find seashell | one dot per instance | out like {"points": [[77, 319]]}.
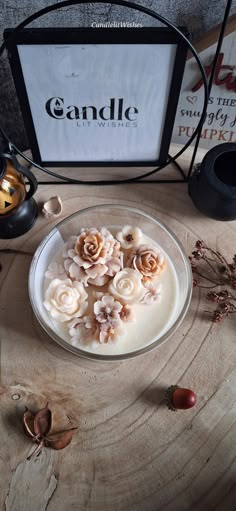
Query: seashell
{"points": [[53, 207]]}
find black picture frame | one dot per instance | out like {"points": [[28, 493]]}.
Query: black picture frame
{"points": [[97, 36]]}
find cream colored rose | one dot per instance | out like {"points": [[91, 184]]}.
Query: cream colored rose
{"points": [[94, 258], [149, 261], [93, 247], [127, 286], [65, 299]]}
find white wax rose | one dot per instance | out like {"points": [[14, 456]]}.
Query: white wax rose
{"points": [[127, 286], [65, 299]]}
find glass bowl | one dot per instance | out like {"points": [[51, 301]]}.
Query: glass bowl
{"points": [[114, 217]]}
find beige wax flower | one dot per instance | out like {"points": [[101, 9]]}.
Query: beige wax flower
{"points": [[107, 310], [70, 243], [96, 274], [110, 333], [56, 271], [153, 292], [84, 331], [127, 286], [76, 272], [127, 313], [94, 258], [87, 331], [93, 247], [65, 299], [149, 261], [129, 237]]}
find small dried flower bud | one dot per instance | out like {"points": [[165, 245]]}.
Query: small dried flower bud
{"points": [[225, 307], [200, 245], [197, 254], [218, 317], [213, 297], [214, 268], [228, 306], [224, 294]]}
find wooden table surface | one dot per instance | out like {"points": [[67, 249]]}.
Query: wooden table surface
{"points": [[131, 453]]}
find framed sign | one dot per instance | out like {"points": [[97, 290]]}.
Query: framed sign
{"points": [[98, 97], [220, 122]]}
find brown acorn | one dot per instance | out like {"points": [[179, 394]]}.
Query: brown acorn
{"points": [[178, 398]]}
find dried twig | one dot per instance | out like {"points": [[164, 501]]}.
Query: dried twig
{"points": [[209, 265]]}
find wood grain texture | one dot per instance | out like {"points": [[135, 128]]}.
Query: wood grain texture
{"points": [[131, 453]]}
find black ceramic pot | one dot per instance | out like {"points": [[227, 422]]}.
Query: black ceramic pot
{"points": [[212, 186], [20, 221]]}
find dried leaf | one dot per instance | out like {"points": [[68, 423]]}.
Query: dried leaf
{"points": [[38, 426], [28, 419], [43, 421], [60, 440]]}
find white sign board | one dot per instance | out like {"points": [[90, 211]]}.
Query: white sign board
{"points": [[220, 124]]}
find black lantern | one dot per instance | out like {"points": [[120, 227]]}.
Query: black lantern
{"points": [[18, 210]]}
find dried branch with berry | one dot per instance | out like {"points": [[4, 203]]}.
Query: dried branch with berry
{"points": [[212, 271]]}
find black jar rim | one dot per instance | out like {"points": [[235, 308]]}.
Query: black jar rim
{"points": [[208, 169]]}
